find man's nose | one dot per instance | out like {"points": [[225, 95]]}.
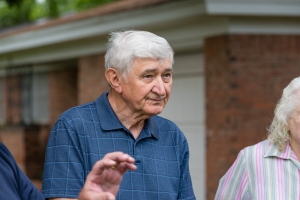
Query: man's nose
{"points": [[159, 87]]}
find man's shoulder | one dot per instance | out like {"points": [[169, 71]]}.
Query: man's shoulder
{"points": [[3, 149], [168, 129], [5, 156], [79, 111], [165, 123]]}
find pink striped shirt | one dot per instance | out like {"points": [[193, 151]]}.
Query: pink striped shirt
{"points": [[262, 172]]}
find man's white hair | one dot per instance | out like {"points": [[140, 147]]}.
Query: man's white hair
{"points": [[123, 47]]}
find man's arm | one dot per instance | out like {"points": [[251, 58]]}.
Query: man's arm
{"points": [[14, 183], [104, 180]]}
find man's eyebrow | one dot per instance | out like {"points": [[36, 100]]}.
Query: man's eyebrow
{"points": [[150, 70], [155, 69], [169, 69]]}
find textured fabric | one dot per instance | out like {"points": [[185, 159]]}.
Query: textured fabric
{"points": [[14, 184], [84, 134], [262, 172]]}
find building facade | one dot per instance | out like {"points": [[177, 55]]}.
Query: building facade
{"points": [[232, 60]]}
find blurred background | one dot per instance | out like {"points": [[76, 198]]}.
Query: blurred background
{"points": [[232, 60]]}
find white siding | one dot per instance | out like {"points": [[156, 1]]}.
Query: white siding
{"points": [[186, 109]]}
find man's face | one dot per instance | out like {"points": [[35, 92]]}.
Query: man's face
{"points": [[146, 89]]}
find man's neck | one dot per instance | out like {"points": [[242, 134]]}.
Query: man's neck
{"points": [[133, 121]]}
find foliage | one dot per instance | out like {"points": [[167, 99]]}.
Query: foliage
{"points": [[87, 4], [13, 2], [14, 12]]}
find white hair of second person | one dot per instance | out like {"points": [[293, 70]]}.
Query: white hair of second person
{"points": [[123, 47], [278, 131]]}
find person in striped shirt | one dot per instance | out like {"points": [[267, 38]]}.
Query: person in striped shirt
{"points": [[270, 170]]}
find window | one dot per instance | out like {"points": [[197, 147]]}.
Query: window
{"points": [[35, 104]]}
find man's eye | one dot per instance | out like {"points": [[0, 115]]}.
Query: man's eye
{"points": [[148, 76], [168, 75]]}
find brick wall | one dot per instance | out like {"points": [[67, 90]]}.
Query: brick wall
{"points": [[91, 78], [12, 102], [245, 76], [35, 146], [62, 92]]}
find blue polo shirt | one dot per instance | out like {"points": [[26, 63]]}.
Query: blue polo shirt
{"points": [[86, 133], [14, 183]]}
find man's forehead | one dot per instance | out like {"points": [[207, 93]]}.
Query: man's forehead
{"points": [[152, 64], [161, 60], [150, 61]]}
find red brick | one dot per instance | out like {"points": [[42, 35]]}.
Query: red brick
{"points": [[62, 92], [91, 78], [245, 76]]}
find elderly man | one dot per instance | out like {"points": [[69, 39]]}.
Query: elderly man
{"points": [[139, 72]]}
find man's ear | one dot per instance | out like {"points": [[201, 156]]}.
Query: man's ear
{"points": [[113, 78]]}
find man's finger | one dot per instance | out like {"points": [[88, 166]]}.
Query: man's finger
{"points": [[113, 160], [119, 157], [96, 196]]}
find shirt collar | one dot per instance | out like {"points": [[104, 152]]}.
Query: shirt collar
{"points": [[107, 117], [109, 120], [153, 127], [273, 151]]}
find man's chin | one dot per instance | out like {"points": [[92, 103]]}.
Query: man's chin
{"points": [[154, 111]]}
